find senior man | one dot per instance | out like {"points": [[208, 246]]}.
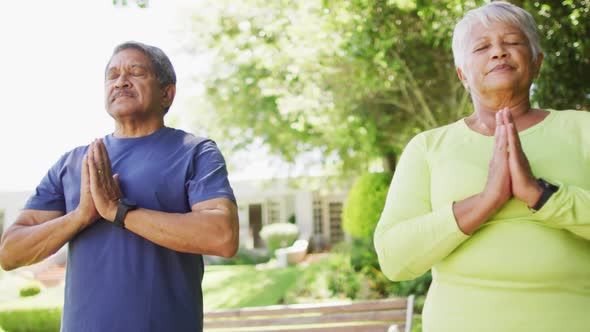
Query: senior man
{"points": [[138, 208]]}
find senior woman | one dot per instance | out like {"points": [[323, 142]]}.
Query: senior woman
{"points": [[497, 203]]}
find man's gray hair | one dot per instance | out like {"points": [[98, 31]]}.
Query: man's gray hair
{"points": [[161, 64], [499, 11]]}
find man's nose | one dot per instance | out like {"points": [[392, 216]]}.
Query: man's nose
{"points": [[122, 81]]}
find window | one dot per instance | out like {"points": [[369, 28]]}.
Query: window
{"points": [[318, 227], [273, 212], [335, 215]]}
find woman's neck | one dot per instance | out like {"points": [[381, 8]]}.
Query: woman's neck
{"points": [[483, 119]]}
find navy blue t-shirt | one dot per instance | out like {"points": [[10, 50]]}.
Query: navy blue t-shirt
{"points": [[117, 280]]}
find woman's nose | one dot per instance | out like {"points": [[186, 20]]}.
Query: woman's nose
{"points": [[499, 51]]}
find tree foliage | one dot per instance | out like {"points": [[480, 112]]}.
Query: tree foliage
{"points": [[356, 79], [139, 3], [564, 82]]}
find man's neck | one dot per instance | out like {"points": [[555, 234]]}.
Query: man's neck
{"points": [[134, 128]]}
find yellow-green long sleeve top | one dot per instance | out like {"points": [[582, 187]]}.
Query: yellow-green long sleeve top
{"points": [[521, 270]]}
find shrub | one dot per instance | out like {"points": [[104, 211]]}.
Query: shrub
{"points": [[343, 280], [363, 260], [279, 235], [364, 204], [29, 291], [362, 254], [34, 320]]}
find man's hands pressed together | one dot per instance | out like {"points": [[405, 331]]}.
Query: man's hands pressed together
{"points": [[104, 185]]}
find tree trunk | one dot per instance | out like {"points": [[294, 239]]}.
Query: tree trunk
{"points": [[389, 162]]}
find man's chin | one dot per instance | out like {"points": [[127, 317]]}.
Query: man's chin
{"points": [[122, 111]]}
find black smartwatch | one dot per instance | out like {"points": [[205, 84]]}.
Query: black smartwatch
{"points": [[548, 190], [124, 205]]}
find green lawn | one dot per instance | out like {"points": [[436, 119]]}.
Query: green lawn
{"points": [[223, 287], [244, 286]]}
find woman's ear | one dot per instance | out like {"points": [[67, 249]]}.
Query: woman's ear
{"points": [[463, 78]]}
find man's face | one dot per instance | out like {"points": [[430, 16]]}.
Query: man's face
{"points": [[131, 86]]}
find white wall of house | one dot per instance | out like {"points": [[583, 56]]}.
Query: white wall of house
{"points": [[304, 213], [280, 198]]}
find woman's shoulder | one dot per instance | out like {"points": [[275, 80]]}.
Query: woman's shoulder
{"points": [[437, 134], [570, 118], [577, 115]]}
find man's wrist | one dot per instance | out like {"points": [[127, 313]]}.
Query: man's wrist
{"points": [[124, 205], [80, 218]]}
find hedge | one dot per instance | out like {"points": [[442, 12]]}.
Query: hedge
{"points": [[364, 204], [31, 320]]}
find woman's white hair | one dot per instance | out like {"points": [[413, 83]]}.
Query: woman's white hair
{"points": [[499, 11]]}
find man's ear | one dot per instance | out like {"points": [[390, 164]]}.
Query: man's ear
{"points": [[168, 93], [463, 78]]}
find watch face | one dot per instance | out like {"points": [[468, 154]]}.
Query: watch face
{"points": [[127, 202]]}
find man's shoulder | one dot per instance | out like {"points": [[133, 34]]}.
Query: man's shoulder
{"points": [[71, 156], [187, 138]]}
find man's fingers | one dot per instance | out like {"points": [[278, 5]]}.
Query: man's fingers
{"points": [[85, 182], [92, 171], [102, 158], [103, 152]]}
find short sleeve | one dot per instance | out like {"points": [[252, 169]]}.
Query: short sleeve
{"points": [[208, 175], [49, 194]]}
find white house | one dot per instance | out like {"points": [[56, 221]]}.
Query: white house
{"points": [[315, 204]]}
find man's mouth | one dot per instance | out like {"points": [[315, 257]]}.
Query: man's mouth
{"points": [[123, 93]]}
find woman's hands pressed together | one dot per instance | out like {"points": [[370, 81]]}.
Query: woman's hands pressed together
{"points": [[510, 173]]}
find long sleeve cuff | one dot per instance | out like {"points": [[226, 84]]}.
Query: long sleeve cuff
{"points": [[409, 248]]}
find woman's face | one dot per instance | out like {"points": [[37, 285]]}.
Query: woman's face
{"points": [[497, 60]]}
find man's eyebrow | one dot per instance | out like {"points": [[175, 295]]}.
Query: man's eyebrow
{"points": [[139, 65], [134, 65]]}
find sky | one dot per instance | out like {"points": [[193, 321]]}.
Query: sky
{"points": [[53, 57]]}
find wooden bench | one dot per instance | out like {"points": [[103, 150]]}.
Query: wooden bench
{"points": [[363, 316]]}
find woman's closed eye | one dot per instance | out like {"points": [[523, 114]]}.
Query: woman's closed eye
{"points": [[480, 48]]}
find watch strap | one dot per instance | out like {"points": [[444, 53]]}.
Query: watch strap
{"points": [[548, 190], [123, 206]]}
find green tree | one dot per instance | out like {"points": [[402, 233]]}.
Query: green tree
{"points": [[356, 79], [564, 81]]}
